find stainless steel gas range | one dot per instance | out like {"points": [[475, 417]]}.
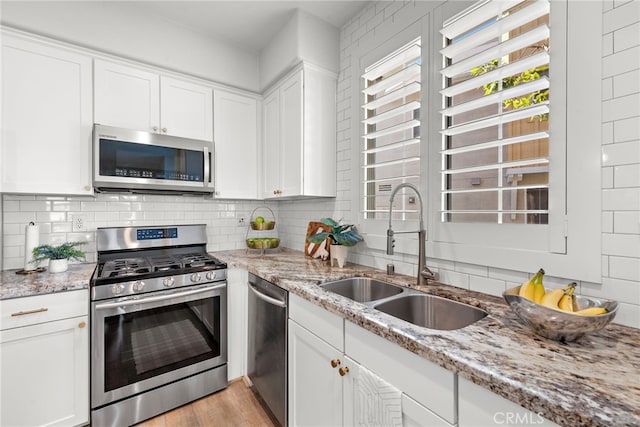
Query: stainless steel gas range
{"points": [[158, 322]]}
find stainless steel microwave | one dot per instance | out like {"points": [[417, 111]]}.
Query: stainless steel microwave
{"points": [[144, 162]]}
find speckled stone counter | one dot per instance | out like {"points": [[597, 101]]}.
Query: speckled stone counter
{"points": [[594, 381], [14, 285]]}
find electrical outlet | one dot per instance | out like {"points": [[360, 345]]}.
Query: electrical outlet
{"points": [[78, 223]]}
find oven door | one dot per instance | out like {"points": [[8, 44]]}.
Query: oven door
{"points": [[142, 342]]}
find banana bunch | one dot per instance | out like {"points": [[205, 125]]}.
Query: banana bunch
{"points": [[558, 299], [533, 289]]}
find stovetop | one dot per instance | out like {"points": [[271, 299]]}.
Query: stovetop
{"points": [[140, 260], [171, 264]]}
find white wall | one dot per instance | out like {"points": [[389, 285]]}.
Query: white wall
{"points": [[620, 149], [114, 28], [304, 38]]}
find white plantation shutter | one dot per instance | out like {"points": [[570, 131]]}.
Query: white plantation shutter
{"points": [[495, 157], [391, 129]]}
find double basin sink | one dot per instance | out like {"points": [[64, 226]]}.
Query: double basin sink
{"points": [[418, 308]]}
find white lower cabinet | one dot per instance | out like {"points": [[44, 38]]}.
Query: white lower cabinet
{"points": [[479, 406], [44, 367], [315, 387], [323, 372]]}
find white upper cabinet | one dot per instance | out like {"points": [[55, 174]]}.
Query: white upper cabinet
{"points": [[134, 98], [236, 155], [186, 109], [46, 118], [126, 97], [300, 136]]}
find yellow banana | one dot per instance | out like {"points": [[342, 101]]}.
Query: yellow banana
{"points": [[591, 311], [530, 289], [566, 301], [552, 298]]}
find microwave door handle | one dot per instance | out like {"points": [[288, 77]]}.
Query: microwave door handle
{"points": [[207, 167]]}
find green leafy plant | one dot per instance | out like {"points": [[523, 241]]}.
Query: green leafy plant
{"points": [[526, 76], [340, 234], [64, 251]]}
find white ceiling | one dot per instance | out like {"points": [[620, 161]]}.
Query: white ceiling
{"points": [[249, 25]]}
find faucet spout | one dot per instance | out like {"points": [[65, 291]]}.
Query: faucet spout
{"points": [[424, 274]]}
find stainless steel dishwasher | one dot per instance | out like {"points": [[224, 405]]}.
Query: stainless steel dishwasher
{"points": [[267, 346]]}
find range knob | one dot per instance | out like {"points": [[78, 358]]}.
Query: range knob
{"points": [[211, 275], [117, 289], [137, 286], [195, 277], [168, 282]]}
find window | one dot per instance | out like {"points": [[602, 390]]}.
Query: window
{"points": [[496, 91], [391, 135]]}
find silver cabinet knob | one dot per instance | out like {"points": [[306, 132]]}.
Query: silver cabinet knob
{"points": [[155, 128], [164, 130]]}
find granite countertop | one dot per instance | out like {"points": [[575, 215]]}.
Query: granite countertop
{"points": [[594, 381], [14, 285]]}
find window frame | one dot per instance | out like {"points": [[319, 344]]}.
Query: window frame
{"points": [[573, 233]]}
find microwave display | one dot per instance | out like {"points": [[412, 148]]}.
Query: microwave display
{"points": [[127, 159]]}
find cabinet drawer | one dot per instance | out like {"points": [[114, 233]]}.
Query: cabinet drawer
{"points": [[326, 325], [17, 312], [430, 385]]}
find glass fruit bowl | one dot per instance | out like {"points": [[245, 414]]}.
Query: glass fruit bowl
{"points": [[560, 325]]}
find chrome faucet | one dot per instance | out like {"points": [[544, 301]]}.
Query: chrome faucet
{"points": [[424, 274]]}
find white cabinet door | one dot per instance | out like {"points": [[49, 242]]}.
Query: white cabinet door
{"points": [[315, 387], [45, 374], [126, 97], [479, 406], [237, 296], [46, 118], [271, 150], [186, 109], [236, 144], [291, 142]]}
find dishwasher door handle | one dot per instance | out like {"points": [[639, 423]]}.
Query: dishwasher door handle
{"points": [[266, 298]]}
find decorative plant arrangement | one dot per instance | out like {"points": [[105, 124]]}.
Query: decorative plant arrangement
{"points": [[341, 236], [58, 256]]}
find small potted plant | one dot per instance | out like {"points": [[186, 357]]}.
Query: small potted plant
{"points": [[342, 236], [58, 256]]}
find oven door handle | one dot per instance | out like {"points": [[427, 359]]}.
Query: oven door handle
{"points": [[156, 299], [266, 298]]}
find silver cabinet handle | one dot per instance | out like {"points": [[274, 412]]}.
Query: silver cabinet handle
{"points": [[267, 298]]}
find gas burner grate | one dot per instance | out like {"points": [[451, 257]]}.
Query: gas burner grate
{"points": [[125, 267], [165, 263], [197, 260]]}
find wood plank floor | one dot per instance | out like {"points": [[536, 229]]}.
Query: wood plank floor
{"points": [[237, 405]]}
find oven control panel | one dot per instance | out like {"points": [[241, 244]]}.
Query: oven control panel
{"points": [[157, 233]]}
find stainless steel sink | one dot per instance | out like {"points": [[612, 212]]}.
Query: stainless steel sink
{"points": [[362, 289], [431, 312]]}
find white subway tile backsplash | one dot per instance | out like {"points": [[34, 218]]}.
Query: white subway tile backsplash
{"points": [[623, 153], [624, 268], [620, 17], [627, 37], [626, 222], [627, 245], [607, 177], [621, 62], [607, 133], [627, 129], [607, 222], [607, 44], [621, 108], [487, 285], [627, 176], [621, 199], [627, 83], [607, 88], [629, 315]]}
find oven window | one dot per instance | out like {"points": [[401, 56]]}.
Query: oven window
{"points": [[147, 343]]}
